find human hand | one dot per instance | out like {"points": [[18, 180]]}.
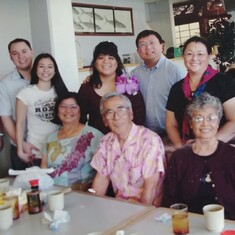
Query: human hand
{"points": [[24, 156], [29, 148]]}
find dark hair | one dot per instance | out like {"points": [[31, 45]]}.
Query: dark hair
{"points": [[146, 33], [56, 81], [198, 39], [104, 48], [59, 100], [19, 40]]}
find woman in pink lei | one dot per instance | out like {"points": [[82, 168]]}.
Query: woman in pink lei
{"points": [[108, 75], [201, 77]]}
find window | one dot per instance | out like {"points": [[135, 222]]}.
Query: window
{"points": [[185, 31], [193, 17]]}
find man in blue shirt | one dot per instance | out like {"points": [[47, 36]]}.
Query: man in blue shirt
{"points": [[156, 75]]}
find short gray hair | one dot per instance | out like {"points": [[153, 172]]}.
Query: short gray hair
{"points": [[111, 95], [205, 100]]}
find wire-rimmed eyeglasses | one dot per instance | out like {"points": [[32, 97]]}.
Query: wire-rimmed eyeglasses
{"points": [[110, 113]]}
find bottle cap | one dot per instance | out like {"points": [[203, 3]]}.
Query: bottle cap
{"points": [[34, 182]]}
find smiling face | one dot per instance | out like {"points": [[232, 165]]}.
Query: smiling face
{"points": [[205, 123], [69, 111], [21, 55], [117, 117], [45, 69], [150, 49], [196, 57], [106, 65]]}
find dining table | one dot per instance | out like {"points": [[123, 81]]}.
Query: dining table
{"points": [[93, 215]]}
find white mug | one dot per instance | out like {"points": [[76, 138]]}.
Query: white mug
{"points": [[6, 216], [214, 217], [55, 200]]}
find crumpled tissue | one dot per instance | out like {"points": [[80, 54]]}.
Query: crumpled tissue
{"points": [[163, 217], [58, 217]]}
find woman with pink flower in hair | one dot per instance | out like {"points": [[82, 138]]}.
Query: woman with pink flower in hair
{"points": [[108, 75]]}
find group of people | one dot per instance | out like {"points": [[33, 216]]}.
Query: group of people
{"points": [[115, 130]]}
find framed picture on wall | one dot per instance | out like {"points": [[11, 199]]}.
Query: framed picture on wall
{"points": [[102, 20]]}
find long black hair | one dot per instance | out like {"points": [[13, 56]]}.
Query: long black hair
{"points": [[104, 48], [57, 81]]}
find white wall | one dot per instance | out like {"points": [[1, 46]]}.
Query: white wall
{"points": [[126, 44], [39, 26], [14, 23], [63, 41], [48, 25], [160, 19]]}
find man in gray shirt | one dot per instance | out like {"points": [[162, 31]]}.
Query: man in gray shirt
{"points": [[21, 55]]}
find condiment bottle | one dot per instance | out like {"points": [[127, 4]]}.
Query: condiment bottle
{"points": [[33, 198]]}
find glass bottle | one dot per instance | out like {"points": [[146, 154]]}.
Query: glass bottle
{"points": [[33, 198]]}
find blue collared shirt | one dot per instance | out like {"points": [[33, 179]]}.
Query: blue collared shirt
{"points": [[155, 85]]}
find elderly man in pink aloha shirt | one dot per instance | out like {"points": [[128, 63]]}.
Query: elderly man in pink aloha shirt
{"points": [[131, 156]]}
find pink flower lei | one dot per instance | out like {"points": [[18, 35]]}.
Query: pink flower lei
{"points": [[127, 84]]}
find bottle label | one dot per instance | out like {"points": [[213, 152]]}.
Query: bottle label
{"points": [[34, 202]]}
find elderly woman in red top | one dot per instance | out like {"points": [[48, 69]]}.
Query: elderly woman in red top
{"points": [[203, 172]]}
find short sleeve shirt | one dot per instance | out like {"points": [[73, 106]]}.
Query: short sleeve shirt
{"points": [[141, 156]]}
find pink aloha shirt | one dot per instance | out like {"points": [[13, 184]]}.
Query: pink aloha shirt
{"points": [[141, 157]]}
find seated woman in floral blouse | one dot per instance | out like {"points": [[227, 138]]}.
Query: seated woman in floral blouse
{"points": [[69, 150]]}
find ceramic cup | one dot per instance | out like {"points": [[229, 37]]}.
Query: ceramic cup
{"points": [[55, 200], [214, 217], [180, 223], [4, 184], [14, 202], [6, 216]]}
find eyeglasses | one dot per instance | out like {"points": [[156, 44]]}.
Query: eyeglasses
{"points": [[144, 45], [200, 119], [110, 113], [198, 55], [72, 107]]}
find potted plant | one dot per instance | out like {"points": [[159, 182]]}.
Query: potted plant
{"points": [[221, 34]]}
